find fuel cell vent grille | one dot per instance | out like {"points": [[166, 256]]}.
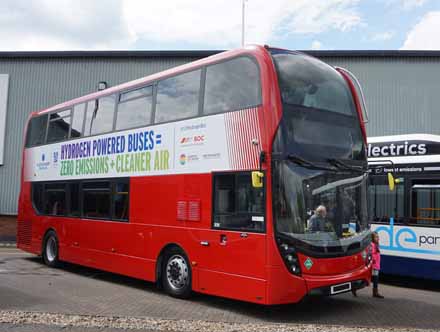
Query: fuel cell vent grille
{"points": [[24, 233]]}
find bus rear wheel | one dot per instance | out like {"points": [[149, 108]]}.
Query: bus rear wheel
{"points": [[176, 274], [50, 249]]}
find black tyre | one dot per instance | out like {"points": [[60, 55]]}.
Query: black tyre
{"points": [[176, 274], [50, 249]]}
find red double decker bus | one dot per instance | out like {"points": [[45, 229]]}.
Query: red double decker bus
{"points": [[240, 175]]}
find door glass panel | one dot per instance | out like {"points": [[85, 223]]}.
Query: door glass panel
{"points": [[237, 204]]}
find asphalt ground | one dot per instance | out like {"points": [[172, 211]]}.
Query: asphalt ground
{"points": [[26, 284]]}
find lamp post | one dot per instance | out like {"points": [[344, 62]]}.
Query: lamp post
{"points": [[242, 21]]}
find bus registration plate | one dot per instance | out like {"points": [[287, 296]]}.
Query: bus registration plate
{"points": [[341, 288]]}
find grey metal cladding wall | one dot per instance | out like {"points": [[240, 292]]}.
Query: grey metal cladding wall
{"points": [[402, 93], [36, 83]]}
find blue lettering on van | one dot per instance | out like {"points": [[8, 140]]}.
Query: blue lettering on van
{"points": [[406, 235]]}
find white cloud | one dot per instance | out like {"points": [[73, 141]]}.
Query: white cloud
{"points": [[406, 4], [85, 24], [411, 4], [383, 36], [61, 25], [316, 45], [218, 22], [424, 35]]}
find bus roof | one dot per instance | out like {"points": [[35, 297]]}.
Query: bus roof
{"points": [[256, 50]]}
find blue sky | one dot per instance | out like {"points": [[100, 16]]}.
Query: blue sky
{"points": [[216, 24]]}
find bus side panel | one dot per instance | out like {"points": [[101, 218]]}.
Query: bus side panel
{"points": [[27, 226], [235, 270], [412, 267], [283, 287], [155, 200], [153, 212], [232, 286]]}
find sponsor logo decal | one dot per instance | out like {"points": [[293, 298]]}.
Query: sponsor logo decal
{"points": [[192, 140], [182, 159], [197, 126], [209, 156], [193, 157], [43, 164]]}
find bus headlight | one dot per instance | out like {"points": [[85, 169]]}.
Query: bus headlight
{"points": [[288, 252], [366, 255]]}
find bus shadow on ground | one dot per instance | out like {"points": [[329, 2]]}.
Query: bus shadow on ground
{"points": [[92, 273], [344, 309]]}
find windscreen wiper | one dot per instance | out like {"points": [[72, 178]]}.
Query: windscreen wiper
{"points": [[306, 163], [342, 165]]}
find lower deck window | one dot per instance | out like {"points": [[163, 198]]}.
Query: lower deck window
{"points": [[96, 204], [426, 202], [120, 201], [37, 197], [55, 198], [74, 195], [414, 201], [103, 199]]}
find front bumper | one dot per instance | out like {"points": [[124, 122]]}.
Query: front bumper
{"points": [[332, 285], [339, 288]]}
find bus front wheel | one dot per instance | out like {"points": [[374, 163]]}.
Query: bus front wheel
{"points": [[50, 249], [176, 274]]}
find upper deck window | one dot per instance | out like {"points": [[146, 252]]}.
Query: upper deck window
{"points": [[59, 126], [134, 108], [320, 121], [100, 114], [178, 97], [309, 82], [232, 85], [36, 131], [78, 120]]}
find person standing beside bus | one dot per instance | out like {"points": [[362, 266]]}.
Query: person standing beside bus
{"points": [[375, 253]]}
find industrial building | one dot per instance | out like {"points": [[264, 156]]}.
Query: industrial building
{"points": [[401, 90]]}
